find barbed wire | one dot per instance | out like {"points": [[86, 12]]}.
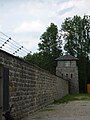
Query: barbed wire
{"points": [[14, 47], [13, 40]]}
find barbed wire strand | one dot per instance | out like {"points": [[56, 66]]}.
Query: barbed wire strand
{"points": [[14, 41], [16, 47], [9, 41], [11, 50], [14, 51]]}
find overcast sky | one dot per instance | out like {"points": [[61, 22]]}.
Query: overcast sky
{"points": [[26, 20]]}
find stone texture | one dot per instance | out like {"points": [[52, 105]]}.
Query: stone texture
{"points": [[71, 73], [30, 87]]}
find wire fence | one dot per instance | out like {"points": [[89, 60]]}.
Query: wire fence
{"points": [[11, 46]]}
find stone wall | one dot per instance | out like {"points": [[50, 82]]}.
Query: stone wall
{"points": [[71, 72], [30, 87]]}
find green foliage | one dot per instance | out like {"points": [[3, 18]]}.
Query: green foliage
{"points": [[44, 61], [83, 70], [49, 41], [75, 32], [77, 42], [76, 35], [49, 50], [73, 97]]}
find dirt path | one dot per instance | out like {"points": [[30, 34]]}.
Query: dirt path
{"points": [[75, 110]]}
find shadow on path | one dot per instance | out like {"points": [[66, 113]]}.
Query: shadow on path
{"points": [[74, 110]]}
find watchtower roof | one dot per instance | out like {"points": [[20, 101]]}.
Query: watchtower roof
{"points": [[66, 58]]}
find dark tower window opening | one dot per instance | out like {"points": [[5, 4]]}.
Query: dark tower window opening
{"points": [[67, 75], [71, 75]]}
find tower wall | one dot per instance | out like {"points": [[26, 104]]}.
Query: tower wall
{"points": [[71, 72]]}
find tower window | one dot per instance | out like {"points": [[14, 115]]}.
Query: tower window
{"points": [[71, 75], [67, 75], [67, 63]]}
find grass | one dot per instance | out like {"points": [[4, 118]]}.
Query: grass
{"points": [[73, 97]]}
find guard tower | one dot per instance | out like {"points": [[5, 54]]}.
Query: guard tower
{"points": [[66, 66]]}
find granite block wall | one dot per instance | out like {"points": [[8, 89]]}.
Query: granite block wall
{"points": [[30, 87]]}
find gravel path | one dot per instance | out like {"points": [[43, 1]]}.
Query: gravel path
{"points": [[75, 110]]}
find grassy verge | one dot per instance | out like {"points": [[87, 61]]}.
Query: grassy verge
{"points": [[73, 97]]}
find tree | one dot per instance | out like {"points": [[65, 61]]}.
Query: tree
{"points": [[49, 49], [50, 42], [77, 42], [77, 35]]}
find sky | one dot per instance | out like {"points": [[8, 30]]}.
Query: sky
{"points": [[26, 20]]}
